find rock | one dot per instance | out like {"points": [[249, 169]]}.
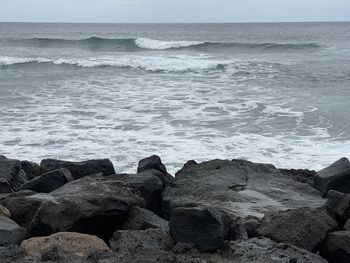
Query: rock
{"points": [[63, 245], [237, 187], [142, 219], [300, 175], [151, 245], [78, 169], [10, 232], [205, 228], [31, 169], [264, 250], [338, 206], [5, 186], [237, 230], [251, 225], [334, 177], [95, 205], [4, 212], [12, 254], [347, 225], [11, 171], [303, 227], [49, 181], [336, 248], [149, 184]]}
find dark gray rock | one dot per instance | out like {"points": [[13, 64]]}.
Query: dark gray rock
{"points": [[10, 232], [334, 177], [300, 175], [336, 248], [152, 245], [347, 225], [31, 169], [142, 219], [251, 225], [205, 228], [237, 230], [11, 172], [5, 186], [338, 206], [49, 181], [237, 187], [264, 250], [95, 205], [303, 227], [149, 184], [78, 169]]}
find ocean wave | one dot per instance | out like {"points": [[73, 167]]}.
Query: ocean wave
{"points": [[130, 44], [149, 63]]}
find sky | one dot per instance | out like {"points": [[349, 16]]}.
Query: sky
{"points": [[173, 11]]}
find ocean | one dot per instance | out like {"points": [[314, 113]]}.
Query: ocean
{"points": [[267, 92]]}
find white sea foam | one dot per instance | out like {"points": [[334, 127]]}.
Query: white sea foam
{"points": [[160, 45]]}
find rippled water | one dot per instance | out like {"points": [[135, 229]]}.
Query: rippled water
{"points": [[276, 93]]}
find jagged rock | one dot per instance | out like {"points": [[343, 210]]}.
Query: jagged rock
{"points": [[251, 225], [11, 171], [303, 227], [10, 232], [151, 245], [5, 186], [68, 244], [49, 181], [237, 231], [12, 254], [300, 175], [149, 184], [334, 177], [264, 250], [338, 206], [237, 187], [95, 205], [205, 228], [142, 219], [4, 211], [336, 248], [78, 169], [31, 169], [154, 162]]}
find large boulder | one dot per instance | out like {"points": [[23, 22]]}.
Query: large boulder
{"points": [[149, 184], [11, 172], [237, 187], [304, 227], [95, 205], [31, 169], [142, 219], [71, 245], [78, 169], [334, 177], [49, 181], [338, 206], [146, 246], [336, 248], [205, 228], [10, 232], [5, 187], [264, 250]]}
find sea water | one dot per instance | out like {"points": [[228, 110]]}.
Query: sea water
{"points": [[270, 92]]}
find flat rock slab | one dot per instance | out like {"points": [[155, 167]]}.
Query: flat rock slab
{"points": [[237, 187]]}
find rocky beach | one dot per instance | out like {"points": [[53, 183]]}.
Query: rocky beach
{"points": [[215, 211]]}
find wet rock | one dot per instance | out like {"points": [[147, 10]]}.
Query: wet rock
{"points": [[151, 245], [10, 232], [95, 205], [63, 245], [78, 169], [264, 250], [149, 184], [31, 169], [205, 228], [336, 248], [303, 227], [338, 206], [334, 177], [11, 172], [300, 175], [237, 187], [155, 163], [142, 219], [4, 211]]}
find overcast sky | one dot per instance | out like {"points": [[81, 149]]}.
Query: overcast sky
{"points": [[134, 11]]}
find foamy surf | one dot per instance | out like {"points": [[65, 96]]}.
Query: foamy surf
{"points": [[158, 44]]}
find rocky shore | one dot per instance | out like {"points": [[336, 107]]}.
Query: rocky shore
{"points": [[216, 211]]}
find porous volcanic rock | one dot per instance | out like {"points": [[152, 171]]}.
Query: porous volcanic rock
{"points": [[334, 177], [303, 227], [79, 169]]}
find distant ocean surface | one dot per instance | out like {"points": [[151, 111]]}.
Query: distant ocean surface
{"points": [[276, 93]]}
